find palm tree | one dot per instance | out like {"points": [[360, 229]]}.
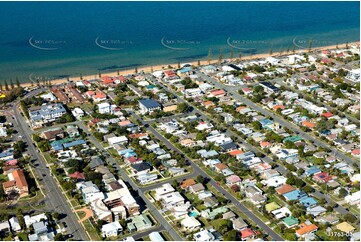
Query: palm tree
{"points": [[220, 58], [12, 84], [6, 86], [17, 82], [231, 56], [210, 55], [310, 45]]}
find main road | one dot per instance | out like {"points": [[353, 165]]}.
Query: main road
{"points": [[56, 200]]}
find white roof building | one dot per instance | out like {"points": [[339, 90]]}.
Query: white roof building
{"points": [[190, 223], [117, 140], [155, 236], [111, 229], [29, 220]]}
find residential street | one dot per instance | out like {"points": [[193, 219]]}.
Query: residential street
{"points": [[281, 121], [56, 200]]}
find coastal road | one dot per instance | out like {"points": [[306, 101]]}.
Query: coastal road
{"points": [[127, 179], [56, 200], [278, 119]]}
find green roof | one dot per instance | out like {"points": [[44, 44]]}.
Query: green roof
{"points": [[292, 139], [215, 212], [272, 206], [141, 222], [290, 221]]}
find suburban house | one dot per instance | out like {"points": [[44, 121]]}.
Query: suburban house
{"points": [[111, 229], [46, 113], [148, 105], [17, 183]]}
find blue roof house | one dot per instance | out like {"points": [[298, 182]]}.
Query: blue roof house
{"points": [[308, 201]]}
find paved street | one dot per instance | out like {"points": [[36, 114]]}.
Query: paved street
{"points": [[280, 120], [127, 179], [225, 193], [280, 82], [56, 201]]}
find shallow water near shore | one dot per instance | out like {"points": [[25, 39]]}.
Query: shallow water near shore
{"points": [[59, 39]]}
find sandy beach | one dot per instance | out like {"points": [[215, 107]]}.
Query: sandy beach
{"points": [[195, 63]]}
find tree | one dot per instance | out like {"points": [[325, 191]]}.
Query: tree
{"points": [[183, 108], [258, 89], [200, 179], [223, 226], [220, 58], [231, 55], [290, 236], [56, 215], [350, 218], [231, 235], [6, 86], [257, 125], [59, 237], [17, 82], [235, 188], [308, 189], [210, 55], [342, 193], [2, 193]]}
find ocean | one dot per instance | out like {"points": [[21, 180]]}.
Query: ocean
{"points": [[60, 39]]}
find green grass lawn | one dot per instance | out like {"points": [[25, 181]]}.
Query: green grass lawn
{"points": [[91, 230], [23, 237]]}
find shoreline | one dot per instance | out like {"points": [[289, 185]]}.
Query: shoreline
{"points": [[195, 63]]}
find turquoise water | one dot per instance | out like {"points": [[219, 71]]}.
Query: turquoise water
{"points": [[88, 37], [193, 214]]}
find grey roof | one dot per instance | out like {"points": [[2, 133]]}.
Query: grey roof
{"points": [[95, 161], [39, 113], [149, 103]]}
